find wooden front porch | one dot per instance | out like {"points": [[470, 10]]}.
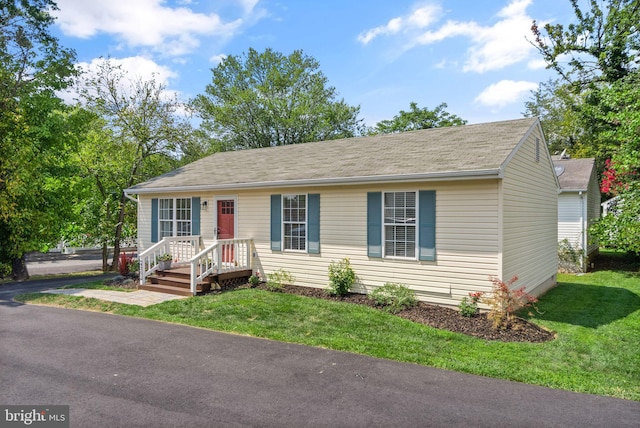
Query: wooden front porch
{"points": [[195, 269], [178, 281]]}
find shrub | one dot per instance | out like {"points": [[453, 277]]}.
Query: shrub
{"points": [[123, 263], [341, 277], [278, 279], [570, 258], [134, 266], [394, 297], [254, 279], [504, 302], [469, 305]]}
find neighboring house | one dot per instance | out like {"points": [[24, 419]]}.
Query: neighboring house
{"points": [[578, 203], [438, 210]]}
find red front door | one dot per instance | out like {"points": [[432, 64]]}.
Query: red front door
{"points": [[226, 226]]}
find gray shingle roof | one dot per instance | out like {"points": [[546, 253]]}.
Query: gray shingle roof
{"points": [[573, 174], [437, 152]]}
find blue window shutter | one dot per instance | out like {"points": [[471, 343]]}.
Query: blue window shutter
{"points": [[154, 220], [374, 224], [313, 224], [195, 215], [427, 225], [276, 222]]}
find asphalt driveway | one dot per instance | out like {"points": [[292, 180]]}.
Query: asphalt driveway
{"points": [[122, 372]]}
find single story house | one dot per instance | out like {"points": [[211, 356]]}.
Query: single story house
{"points": [[578, 204], [439, 210]]}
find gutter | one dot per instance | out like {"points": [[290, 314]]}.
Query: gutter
{"points": [[131, 198], [343, 181]]}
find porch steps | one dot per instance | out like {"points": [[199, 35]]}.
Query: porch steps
{"points": [[178, 281]]}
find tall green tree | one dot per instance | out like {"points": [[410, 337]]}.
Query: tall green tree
{"points": [[269, 99], [601, 77], [33, 156], [133, 135], [418, 118]]}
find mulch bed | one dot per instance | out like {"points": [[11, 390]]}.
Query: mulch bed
{"points": [[441, 317]]}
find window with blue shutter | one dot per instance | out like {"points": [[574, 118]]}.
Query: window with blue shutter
{"points": [[154, 220], [427, 225], [313, 224], [195, 215]]}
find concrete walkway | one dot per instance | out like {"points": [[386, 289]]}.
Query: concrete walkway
{"points": [[138, 297]]}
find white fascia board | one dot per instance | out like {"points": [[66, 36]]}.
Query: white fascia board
{"points": [[341, 181]]}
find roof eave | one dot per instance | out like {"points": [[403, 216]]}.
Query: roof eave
{"points": [[340, 181]]}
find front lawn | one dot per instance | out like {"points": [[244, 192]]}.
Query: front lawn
{"points": [[596, 317]]}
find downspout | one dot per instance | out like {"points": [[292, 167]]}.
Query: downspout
{"points": [[131, 198], [583, 233]]}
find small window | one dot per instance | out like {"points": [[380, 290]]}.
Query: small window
{"points": [[294, 221], [400, 224], [174, 217]]}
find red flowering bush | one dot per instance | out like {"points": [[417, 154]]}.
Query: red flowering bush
{"points": [[504, 302]]}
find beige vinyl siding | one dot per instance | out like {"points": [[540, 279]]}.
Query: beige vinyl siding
{"points": [[466, 239], [529, 217], [593, 208]]}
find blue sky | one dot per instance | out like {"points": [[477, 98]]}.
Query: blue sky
{"points": [[380, 55]]}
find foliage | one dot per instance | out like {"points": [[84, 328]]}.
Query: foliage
{"points": [[570, 257], [504, 301], [134, 265], [33, 152], [254, 279], [394, 297], [341, 277], [124, 263], [166, 257], [269, 99], [130, 134], [417, 118], [278, 279], [601, 46], [469, 305]]}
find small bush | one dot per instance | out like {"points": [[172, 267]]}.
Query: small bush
{"points": [[570, 257], [394, 297], [254, 279], [134, 266], [504, 302], [469, 305], [278, 279], [123, 263], [341, 277]]}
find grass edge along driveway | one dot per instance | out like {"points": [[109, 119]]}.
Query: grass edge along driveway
{"points": [[596, 317]]}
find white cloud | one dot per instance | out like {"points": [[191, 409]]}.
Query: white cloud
{"points": [[217, 59], [536, 64], [147, 23], [136, 67], [505, 92], [491, 47], [419, 18]]}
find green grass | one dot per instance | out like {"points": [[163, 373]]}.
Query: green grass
{"points": [[596, 317], [99, 285]]}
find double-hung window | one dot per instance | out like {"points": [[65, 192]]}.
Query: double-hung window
{"points": [[400, 224], [174, 217], [294, 220]]}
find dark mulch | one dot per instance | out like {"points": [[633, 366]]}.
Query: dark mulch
{"points": [[441, 317]]}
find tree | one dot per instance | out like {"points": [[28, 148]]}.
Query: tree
{"points": [[601, 46], [602, 78], [133, 135], [269, 99], [418, 118], [33, 156]]}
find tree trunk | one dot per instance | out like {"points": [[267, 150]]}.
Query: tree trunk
{"points": [[116, 243], [105, 257], [19, 269]]}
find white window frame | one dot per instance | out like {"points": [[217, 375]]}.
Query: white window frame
{"points": [[386, 224], [177, 222], [305, 223]]}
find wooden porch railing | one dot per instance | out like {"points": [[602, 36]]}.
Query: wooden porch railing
{"points": [[222, 256], [181, 248]]}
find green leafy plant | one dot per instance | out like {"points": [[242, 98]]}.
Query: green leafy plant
{"points": [[394, 297], [134, 265], [341, 277], [254, 279], [469, 305], [504, 302], [570, 258], [278, 279], [164, 257]]}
